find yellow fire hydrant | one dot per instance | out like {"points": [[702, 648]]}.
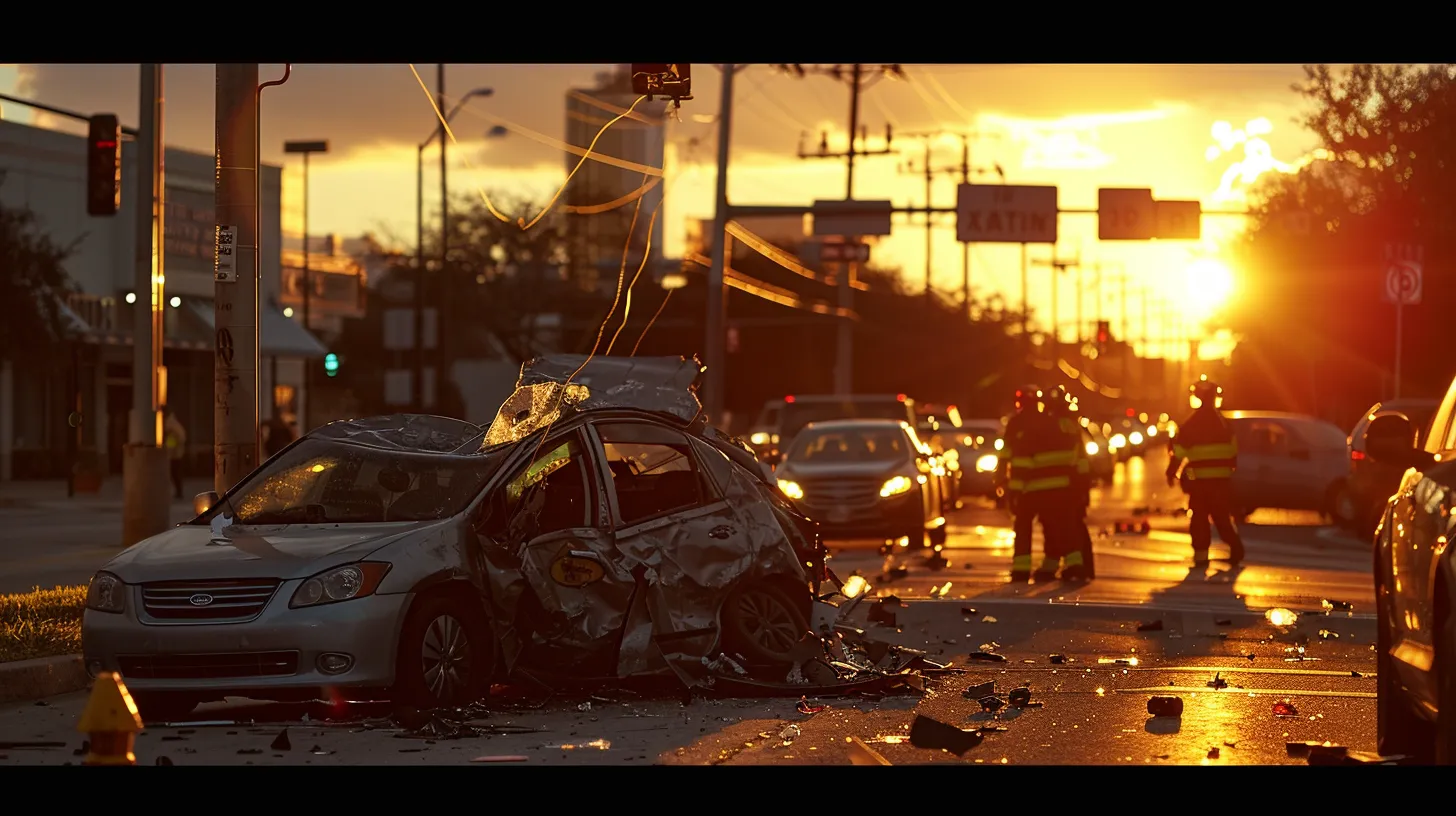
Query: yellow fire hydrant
{"points": [[111, 722]]}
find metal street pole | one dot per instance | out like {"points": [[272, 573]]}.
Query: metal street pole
{"points": [[442, 364], [717, 301], [146, 509], [307, 149], [966, 247], [929, 221], [235, 415], [844, 345], [1399, 337]]}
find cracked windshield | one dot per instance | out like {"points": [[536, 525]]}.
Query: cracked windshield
{"points": [[726, 414]]}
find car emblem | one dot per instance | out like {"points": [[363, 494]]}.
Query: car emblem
{"points": [[200, 599]]}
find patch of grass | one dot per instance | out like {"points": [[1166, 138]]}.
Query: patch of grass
{"points": [[41, 623]]}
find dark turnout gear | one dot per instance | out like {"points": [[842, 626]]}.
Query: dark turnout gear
{"points": [[1207, 452], [1042, 476]]}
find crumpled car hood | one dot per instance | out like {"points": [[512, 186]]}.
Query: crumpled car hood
{"points": [[192, 552]]}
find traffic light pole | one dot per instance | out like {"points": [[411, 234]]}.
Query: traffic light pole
{"points": [[145, 508], [235, 384]]}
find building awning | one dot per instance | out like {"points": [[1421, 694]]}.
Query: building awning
{"points": [[278, 336], [180, 334]]}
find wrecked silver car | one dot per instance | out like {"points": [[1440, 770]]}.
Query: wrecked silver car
{"points": [[598, 528]]}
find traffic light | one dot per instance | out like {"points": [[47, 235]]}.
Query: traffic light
{"points": [[331, 364], [1104, 335], [103, 165]]}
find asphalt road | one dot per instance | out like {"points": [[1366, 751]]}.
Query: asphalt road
{"points": [[1147, 626]]}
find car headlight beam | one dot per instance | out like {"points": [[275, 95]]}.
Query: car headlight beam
{"points": [[340, 584], [987, 463], [106, 593], [791, 489], [1092, 448], [895, 486]]}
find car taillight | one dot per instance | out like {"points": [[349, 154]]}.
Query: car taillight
{"points": [[1356, 456]]}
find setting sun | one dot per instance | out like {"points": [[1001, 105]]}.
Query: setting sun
{"points": [[1210, 283]]}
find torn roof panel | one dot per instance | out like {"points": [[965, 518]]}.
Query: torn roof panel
{"points": [[555, 385], [420, 433]]}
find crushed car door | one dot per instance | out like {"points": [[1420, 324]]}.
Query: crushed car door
{"points": [[578, 591], [671, 519]]}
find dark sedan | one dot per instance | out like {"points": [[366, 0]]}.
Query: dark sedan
{"points": [[1371, 481]]}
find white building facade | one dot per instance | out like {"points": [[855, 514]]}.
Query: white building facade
{"points": [[45, 171]]}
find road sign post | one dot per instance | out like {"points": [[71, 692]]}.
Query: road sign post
{"points": [[1404, 279]]}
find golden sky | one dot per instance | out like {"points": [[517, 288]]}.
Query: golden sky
{"points": [[1187, 131]]}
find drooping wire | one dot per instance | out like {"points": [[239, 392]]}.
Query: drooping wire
{"points": [[572, 174], [646, 253], [445, 125], [655, 315]]}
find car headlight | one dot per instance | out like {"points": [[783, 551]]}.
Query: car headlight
{"points": [[791, 489], [339, 584], [1116, 442], [759, 438], [987, 463], [1092, 449], [1135, 438], [999, 444], [895, 486], [106, 594]]}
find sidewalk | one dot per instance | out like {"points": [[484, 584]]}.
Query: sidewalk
{"points": [[50, 494]]}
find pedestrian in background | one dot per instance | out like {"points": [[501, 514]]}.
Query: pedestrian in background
{"points": [[175, 441]]}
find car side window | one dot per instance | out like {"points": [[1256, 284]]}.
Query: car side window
{"points": [[1446, 440], [1265, 439], [551, 494], [653, 470]]}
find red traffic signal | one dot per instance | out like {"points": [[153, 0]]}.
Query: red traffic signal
{"points": [[673, 80], [1104, 333], [103, 165]]}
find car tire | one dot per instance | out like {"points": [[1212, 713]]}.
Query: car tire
{"points": [[157, 707], [764, 625], [447, 654], [937, 536], [1398, 730]]}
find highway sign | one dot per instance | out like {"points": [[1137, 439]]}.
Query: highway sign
{"points": [[1006, 214], [852, 218], [1404, 274], [1178, 220], [844, 253], [1126, 214]]}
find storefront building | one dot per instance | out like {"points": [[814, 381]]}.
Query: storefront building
{"points": [[45, 171]]}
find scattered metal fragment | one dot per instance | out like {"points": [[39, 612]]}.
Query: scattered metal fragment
{"points": [[991, 703], [598, 744], [1281, 617], [1304, 749], [883, 613], [989, 619], [1284, 708], [806, 707], [986, 657], [790, 733], [318, 750], [1057, 659], [11, 745], [980, 690], [1326, 634], [1223, 622], [281, 742], [1213, 753], [861, 754], [1151, 626], [939, 736], [250, 750], [1020, 697], [1337, 606], [1165, 706], [968, 611], [500, 758], [1218, 682]]}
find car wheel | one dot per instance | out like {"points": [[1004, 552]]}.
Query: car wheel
{"points": [[157, 707], [1446, 680], [764, 625], [446, 655], [1398, 730], [937, 536]]}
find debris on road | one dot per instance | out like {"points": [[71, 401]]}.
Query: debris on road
{"points": [[1218, 682], [991, 703], [1284, 708], [1057, 659], [1223, 622], [1326, 634], [501, 758], [884, 612], [806, 707], [1213, 753], [1337, 606], [980, 690], [861, 754], [1165, 706], [988, 619], [1151, 626], [968, 611], [986, 657], [938, 736], [1020, 697], [598, 744], [281, 742], [1281, 617], [790, 733]]}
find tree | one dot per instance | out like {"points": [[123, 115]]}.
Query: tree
{"points": [[33, 282], [1317, 336]]}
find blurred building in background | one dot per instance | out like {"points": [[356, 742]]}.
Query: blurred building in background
{"points": [[45, 171], [597, 240]]}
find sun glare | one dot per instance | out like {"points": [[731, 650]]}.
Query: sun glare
{"points": [[1209, 284]]}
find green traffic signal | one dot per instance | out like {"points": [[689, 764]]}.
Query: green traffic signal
{"points": [[331, 364]]}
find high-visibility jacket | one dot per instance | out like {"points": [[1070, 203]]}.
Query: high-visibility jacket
{"points": [[1206, 446], [1074, 434], [1008, 436], [1043, 457]]}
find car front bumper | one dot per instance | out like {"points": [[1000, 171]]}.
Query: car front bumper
{"points": [[278, 651], [883, 518]]}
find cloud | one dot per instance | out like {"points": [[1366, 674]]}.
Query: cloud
{"points": [[1069, 142]]}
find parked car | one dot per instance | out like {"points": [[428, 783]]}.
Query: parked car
{"points": [[1288, 462], [596, 528], [763, 435], [864, 478], [1415, 587], [982, 439], [799, 410], [939, 426], [1372, 482], [1100, 455]]}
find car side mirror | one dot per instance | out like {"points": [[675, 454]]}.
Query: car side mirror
{"points": [[1390, 439], [203, 502]]}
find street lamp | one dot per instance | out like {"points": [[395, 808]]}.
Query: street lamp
{"points": [[307, 149], [419, 293]]}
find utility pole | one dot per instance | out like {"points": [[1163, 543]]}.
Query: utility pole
{"points": [[146, 506], [1059, 266], [717, 300], [235, 416], [844, 347], [442, 365], [930, 171]]}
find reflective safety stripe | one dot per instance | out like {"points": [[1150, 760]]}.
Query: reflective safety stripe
{"points": [[1048, 483], [1214, 460], [1084, 466], [1021, 563], [1073, 560], [1050, 470], [1049, 564], [1023, 461], [1016, 486], [1216, 450], [1200, 473]]}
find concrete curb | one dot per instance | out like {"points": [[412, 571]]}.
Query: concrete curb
{"points": [[42, 677]]}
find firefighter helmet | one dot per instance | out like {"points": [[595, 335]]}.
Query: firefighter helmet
{"points": [[1207, 392], [1055, 400], [1026, 397]]}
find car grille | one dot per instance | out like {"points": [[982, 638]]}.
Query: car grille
{"points": [[206, 666], [842, 491], [188, 601]]}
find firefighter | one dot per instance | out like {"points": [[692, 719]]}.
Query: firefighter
{"points": [[1043, 464], [1205, 448], [1025, 407], [1073, 551], [1082, 537]]}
